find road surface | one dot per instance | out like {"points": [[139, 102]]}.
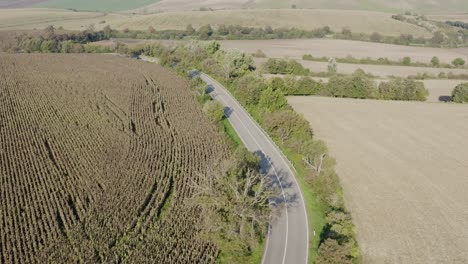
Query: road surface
{"points": [[288, 238]]}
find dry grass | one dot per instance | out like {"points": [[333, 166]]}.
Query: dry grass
{"points": [[342, 48], [403, 166], [358, 21], [30, 18]]}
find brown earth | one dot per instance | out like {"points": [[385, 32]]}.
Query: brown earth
{"points": [[404, 169]]}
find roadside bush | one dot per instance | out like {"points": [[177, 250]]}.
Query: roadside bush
{"points": [[460, 93], [249, 89], [214, 110], [287, 126], [403, 89], [357, 85], [272, 100]]}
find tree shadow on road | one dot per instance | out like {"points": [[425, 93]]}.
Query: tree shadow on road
{"points": [[281, 184]]}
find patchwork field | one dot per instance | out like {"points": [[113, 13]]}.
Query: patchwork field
{"points": [[98, 156], [358, 21], [403, 166], [296, 48], [30, 18]]}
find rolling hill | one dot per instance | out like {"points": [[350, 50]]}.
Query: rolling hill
{"points": [[149, 6]]}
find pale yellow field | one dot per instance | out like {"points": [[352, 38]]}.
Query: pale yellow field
{"points": [[287, 48], [357, 21], [404, 169], [31, 18]]}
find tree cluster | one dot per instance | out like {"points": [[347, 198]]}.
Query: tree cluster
{"points": [[56, 41], [403, 89], [460, 93], [280, 66]]}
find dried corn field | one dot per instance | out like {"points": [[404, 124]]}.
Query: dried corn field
{"points": [[98, 156]]}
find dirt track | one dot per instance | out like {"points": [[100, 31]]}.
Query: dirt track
{"points": [[404, 169]]}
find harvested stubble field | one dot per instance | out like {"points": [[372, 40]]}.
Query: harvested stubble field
{"points": [[98, 157], [358, 21], [404, 167], [39, 18], [382, 71], [296, 48]]}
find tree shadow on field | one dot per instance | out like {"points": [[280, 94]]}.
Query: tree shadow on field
{"points": [[279, 184], [445, 98]]}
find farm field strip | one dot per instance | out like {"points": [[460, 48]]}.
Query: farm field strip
{"points": [[85, 159], [358, 21], [296, 48], [403, 166], [439, 90], [381, 71]]}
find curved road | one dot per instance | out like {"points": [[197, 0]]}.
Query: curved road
{"points": [[288, 238]]}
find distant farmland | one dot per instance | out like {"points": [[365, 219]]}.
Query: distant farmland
{"points": [[382, 71], [296, 48], [98, 155], [357, 21], [403, 166]]}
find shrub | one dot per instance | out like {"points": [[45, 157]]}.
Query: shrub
{"points": [[249, 89], [458, 62], [332, 66], [272, 100], [406, 61], [460, 93], [214, 110], [357, 85], [435, 61], [403, 89], [376, 37], [279, 66]]}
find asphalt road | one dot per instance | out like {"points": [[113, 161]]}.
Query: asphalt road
{"points": [[288, 238]]}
